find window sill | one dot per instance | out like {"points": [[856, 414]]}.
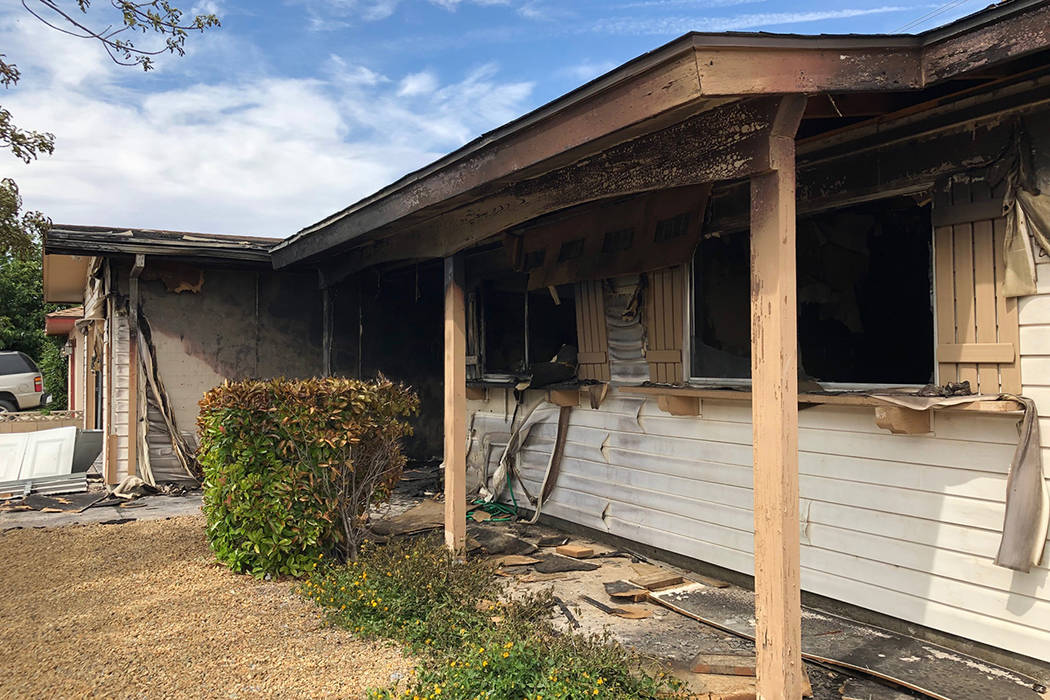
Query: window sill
{"points": [[999, 407]]}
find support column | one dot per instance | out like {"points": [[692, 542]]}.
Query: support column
{"points": [[774, 379], [455, 407]]}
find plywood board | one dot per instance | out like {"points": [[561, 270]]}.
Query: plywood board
{"points": [[933, 670]]}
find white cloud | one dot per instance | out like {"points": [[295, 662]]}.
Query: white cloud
{"points": [[543, 11], [422, 83], [207, 7], [336, 14], [257, 154], [453, 4], [681, 25], [588, 70]]}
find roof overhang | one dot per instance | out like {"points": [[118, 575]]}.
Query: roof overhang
{"points": [[689, 76], [62, 322], [200, 247], [65, 277]]}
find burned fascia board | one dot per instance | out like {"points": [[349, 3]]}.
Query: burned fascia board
{"points": [[200, 247], [657, 82], [985, 39], [649, 93], [903, 153], [645, 92], [721, 144]]}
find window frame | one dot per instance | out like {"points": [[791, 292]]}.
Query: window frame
{"points": [[710, 382], [494, 375]]}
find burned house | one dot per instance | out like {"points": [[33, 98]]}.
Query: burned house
{"points": [[773, 304], [745, 248]]}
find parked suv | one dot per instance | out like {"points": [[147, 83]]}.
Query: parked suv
{"points": [[21, 384]]}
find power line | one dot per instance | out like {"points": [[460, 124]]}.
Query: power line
{"points": [[930, 15]]}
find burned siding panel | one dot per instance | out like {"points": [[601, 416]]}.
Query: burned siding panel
{"points": [[623, 320]]}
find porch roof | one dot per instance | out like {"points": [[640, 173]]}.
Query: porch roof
{"points": [[692, 75]]}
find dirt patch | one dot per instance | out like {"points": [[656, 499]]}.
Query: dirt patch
{"points": [[143, 610]]}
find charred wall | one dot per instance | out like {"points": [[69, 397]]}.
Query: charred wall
{"points": [[391, 322], [239, 323]]}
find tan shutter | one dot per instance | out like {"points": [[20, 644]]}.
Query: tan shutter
{"points": [[590, 331], [665, 314], [977, 331]]}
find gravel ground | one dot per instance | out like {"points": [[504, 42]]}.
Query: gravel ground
{"points": [[142, 610]]}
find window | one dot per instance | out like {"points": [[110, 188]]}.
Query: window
{"points": [[519, 327], [864, 298]]}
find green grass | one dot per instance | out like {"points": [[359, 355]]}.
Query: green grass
{"points": [[472, 640]]}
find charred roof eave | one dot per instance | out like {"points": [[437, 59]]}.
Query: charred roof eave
{"points": [[106, 241], [685, 77]]}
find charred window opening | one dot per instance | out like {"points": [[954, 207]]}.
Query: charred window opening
{"points": [[864, 298], [551, 324], [503, 325], [519, 328]]}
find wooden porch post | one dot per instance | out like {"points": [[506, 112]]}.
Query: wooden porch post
{"points": [[774, 376], [455, 407]]}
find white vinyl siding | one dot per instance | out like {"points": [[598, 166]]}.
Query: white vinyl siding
{"points": [[904, 525]]}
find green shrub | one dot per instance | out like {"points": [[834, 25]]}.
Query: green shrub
{"points": [[472, 639], [291, 467]]}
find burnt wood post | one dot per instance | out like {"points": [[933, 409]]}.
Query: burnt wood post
{"points": [[774, 379], [455, 407]]}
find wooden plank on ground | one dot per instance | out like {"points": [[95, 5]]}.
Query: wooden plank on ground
{"points": [[940, 673], [575, 551], [724, 664]]}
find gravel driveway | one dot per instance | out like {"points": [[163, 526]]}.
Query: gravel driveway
{"points": [[141, 610]]}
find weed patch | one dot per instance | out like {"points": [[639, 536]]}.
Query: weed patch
{"points": [[472, 639]]}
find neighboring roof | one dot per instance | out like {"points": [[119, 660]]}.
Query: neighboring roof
{"points": [[74, 312], [694, 73], [100, 240], [62, 322]]}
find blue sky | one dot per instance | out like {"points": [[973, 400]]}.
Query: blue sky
{"points": [[295, 109]]}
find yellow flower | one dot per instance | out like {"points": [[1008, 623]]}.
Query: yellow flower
{"points": [[508, 645], [481, 650], [485, 663], [506, 654], [600, 681]]}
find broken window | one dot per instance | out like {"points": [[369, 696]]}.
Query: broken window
{"points": [[519, 328], [864, 298]]}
